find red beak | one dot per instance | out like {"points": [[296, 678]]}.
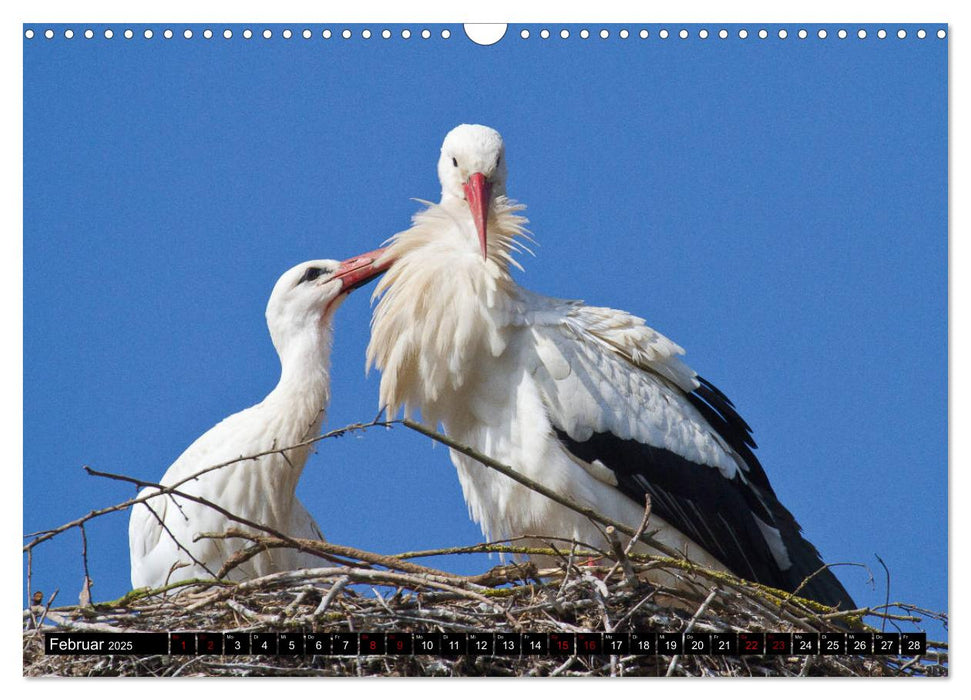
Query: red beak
{"points": [[361, 269], [477, 193]]}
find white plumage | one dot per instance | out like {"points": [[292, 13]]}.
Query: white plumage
{"points": [[299, 315], [588, 401]]}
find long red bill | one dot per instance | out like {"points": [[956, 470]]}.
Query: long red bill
{"points": [[361, 269], [477, 192]]}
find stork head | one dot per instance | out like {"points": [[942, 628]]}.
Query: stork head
{"points": [[307, 295], [472, 167]]}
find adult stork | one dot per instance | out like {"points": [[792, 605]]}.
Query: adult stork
{"points": [[162, 530], [588, 401]]}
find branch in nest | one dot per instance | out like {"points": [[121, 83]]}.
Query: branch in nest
{"points": [[343, 554], [620, 556]]}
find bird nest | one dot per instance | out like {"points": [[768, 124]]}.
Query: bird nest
{"points": [[582, 590], [367, 592]]}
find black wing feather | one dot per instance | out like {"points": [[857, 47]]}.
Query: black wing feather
{"points": [[716, 512], [694, 498]]}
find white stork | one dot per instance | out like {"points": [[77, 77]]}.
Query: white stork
{"points": [[588, 401], [161, 531]]}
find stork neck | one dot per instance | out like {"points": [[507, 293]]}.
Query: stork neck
{"points": [[304, 384]]}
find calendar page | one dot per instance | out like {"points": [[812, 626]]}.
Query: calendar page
{"points": [[424, 349]]}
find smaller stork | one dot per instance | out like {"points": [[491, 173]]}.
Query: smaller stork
{"points": [[162, 530]]}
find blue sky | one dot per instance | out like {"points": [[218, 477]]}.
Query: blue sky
{"points": [[777, 207]]}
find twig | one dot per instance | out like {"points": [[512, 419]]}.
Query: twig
{"points": [[643, 526], [823, 568], [507, 573], [178, 544], [691, 624], [886, 599], [247, 613], [620, 556], [537, 487], [85, 597], [564, 666], [907, 665], [39, 622], [30, 593], [569, 567], [329, 598], [499, 547], [317, 547], [297, 601], [630, 612]]}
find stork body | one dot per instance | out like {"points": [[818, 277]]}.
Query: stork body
{"points": [[588, 401], [163, 530]]}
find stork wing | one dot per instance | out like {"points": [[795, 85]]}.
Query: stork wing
{"points": [[621, 402]]}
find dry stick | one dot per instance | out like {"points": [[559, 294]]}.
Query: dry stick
{"points": [[538, 488], [637, 533], [569, 567], [823, 568], [506, 573], [329, 598], [319, 547], [250, 614], [85, 597], [178, 544], [621, 557], [591, 552], [262, 544], [913, 608], [45, 535], [861, 612], [883, 625], [47, 608], [384, 604], [643, 526], [297, 601], [804, 671], [30, 594], [907, 665], [629, 613], [499, 547], [564, 666], [691, 624]]}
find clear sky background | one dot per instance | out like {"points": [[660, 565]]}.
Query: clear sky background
{"points": [[777, 207]]}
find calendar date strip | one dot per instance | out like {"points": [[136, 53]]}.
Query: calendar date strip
{"points": [[454, 644]]}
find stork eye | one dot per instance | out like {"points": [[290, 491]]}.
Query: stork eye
{"points": [[455, 163], [312, 273], [498, 158]]}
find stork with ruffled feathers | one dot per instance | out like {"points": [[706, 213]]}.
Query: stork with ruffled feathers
{"points": [[587, 401], [274, 435]]}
